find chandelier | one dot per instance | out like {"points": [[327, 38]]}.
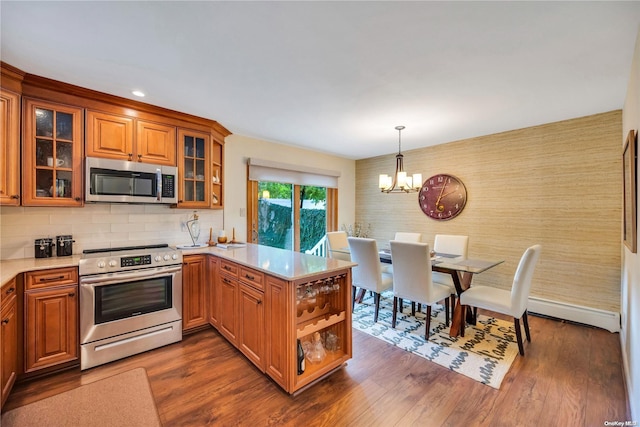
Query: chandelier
{"points": [[400, 182]]}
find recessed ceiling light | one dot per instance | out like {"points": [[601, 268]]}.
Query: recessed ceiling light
{"points": [[138, 93]]}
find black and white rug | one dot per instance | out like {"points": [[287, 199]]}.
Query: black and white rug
{"points": [[484, 354]]}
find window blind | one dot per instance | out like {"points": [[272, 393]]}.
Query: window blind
{"points": [[266, 170]]}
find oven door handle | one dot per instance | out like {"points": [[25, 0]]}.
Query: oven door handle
{"points": [[100, 280]]}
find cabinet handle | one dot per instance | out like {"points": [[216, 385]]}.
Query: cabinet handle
{"points": [[248, 276], [16, 196], [227, 281], [139, 157], [226, 267], [10, 290], [259, 302], [72, 294], [77, 199], [50, 279], [5, 321]]}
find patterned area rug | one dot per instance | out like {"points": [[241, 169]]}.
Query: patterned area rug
{"points": [[484, 354]]}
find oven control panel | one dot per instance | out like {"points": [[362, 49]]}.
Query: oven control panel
{"points": [[101, 261], [131, 261]]}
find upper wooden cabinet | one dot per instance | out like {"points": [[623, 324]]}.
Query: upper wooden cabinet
{"points": [[9, 148], [52, 147], [112, 136], [194, 164]]}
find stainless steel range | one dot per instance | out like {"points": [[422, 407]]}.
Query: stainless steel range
{"points": [[130, 301]]}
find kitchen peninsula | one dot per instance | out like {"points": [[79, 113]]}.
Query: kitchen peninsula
{"points": [[261, 299], [264, 299]]}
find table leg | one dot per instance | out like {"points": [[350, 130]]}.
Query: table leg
{"points": [[457, 323]]}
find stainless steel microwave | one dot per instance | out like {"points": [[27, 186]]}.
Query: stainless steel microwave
{"points": [[121, 181]]}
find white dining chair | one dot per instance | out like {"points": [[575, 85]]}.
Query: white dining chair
{"points": [[412, 279], [337, 240], [450, 244], [368, 273], [402, 236], [513, 302]]}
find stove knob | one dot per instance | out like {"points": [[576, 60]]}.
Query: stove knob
{"points": [[174, 256], [166, 257], [157, 258], [113, 263], [101, 264]]}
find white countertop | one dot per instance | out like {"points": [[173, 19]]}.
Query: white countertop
{"points": [[10, 268], [287, 265]]}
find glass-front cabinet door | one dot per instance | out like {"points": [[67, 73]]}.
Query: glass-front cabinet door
{"points": [[52, 154], [194, 169]]}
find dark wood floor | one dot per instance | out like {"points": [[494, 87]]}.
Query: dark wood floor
{"points": [[571, 376]]}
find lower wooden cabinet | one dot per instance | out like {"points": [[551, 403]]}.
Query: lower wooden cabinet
{"points": [[277, 339], [228, 315], [251, 339], [212, 277], [194, 292], [8, 339], [51, 318]]}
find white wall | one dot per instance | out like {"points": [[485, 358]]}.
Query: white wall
{"points": [[630, 295], [239, 148]]}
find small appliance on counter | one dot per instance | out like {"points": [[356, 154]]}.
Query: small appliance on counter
{"points": [[64, 245], [43, 247]]}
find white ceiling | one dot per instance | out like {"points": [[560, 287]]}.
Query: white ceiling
{"points": [[339, 76]]}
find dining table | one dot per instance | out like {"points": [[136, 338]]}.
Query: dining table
{"points": [[462, 269]]}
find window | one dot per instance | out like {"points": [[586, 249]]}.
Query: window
{"points": [[289, 215]]}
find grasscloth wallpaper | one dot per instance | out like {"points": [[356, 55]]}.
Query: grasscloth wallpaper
{"points": [[558, 184]]}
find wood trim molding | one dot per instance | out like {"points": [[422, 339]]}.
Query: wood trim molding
{"points": [[57, 91]]}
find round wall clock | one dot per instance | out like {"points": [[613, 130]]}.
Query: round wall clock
{"points": [[442, 197]]}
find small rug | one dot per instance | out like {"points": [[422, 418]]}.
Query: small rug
{"points": [[118, 401], [484, 354]]}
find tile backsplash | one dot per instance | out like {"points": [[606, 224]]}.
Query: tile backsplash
{"points": [[101, 225]]}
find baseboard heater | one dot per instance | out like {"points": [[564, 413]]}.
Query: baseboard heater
{"points": [[608, 320]]}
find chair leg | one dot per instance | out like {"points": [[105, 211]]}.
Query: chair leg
{"points": [[463, 318], [376, 298], [519, 335], [400, 305], [395, 311], [525, 321], [353, 299], [413, 309], [446, 311], [428, 323], [419, 307]]}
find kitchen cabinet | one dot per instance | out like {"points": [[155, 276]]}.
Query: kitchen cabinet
{"points": [[194, 163], [51, 318], [9, 148], [8, 339], [217, 155], [115, 136], [323, 305], [251, 332], [276, 331], [52, 153], [212, 283], [228, 302], [194, 292], [264, 316]]}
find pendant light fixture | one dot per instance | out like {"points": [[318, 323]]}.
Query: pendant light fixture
{"points": [[400, 182]]}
